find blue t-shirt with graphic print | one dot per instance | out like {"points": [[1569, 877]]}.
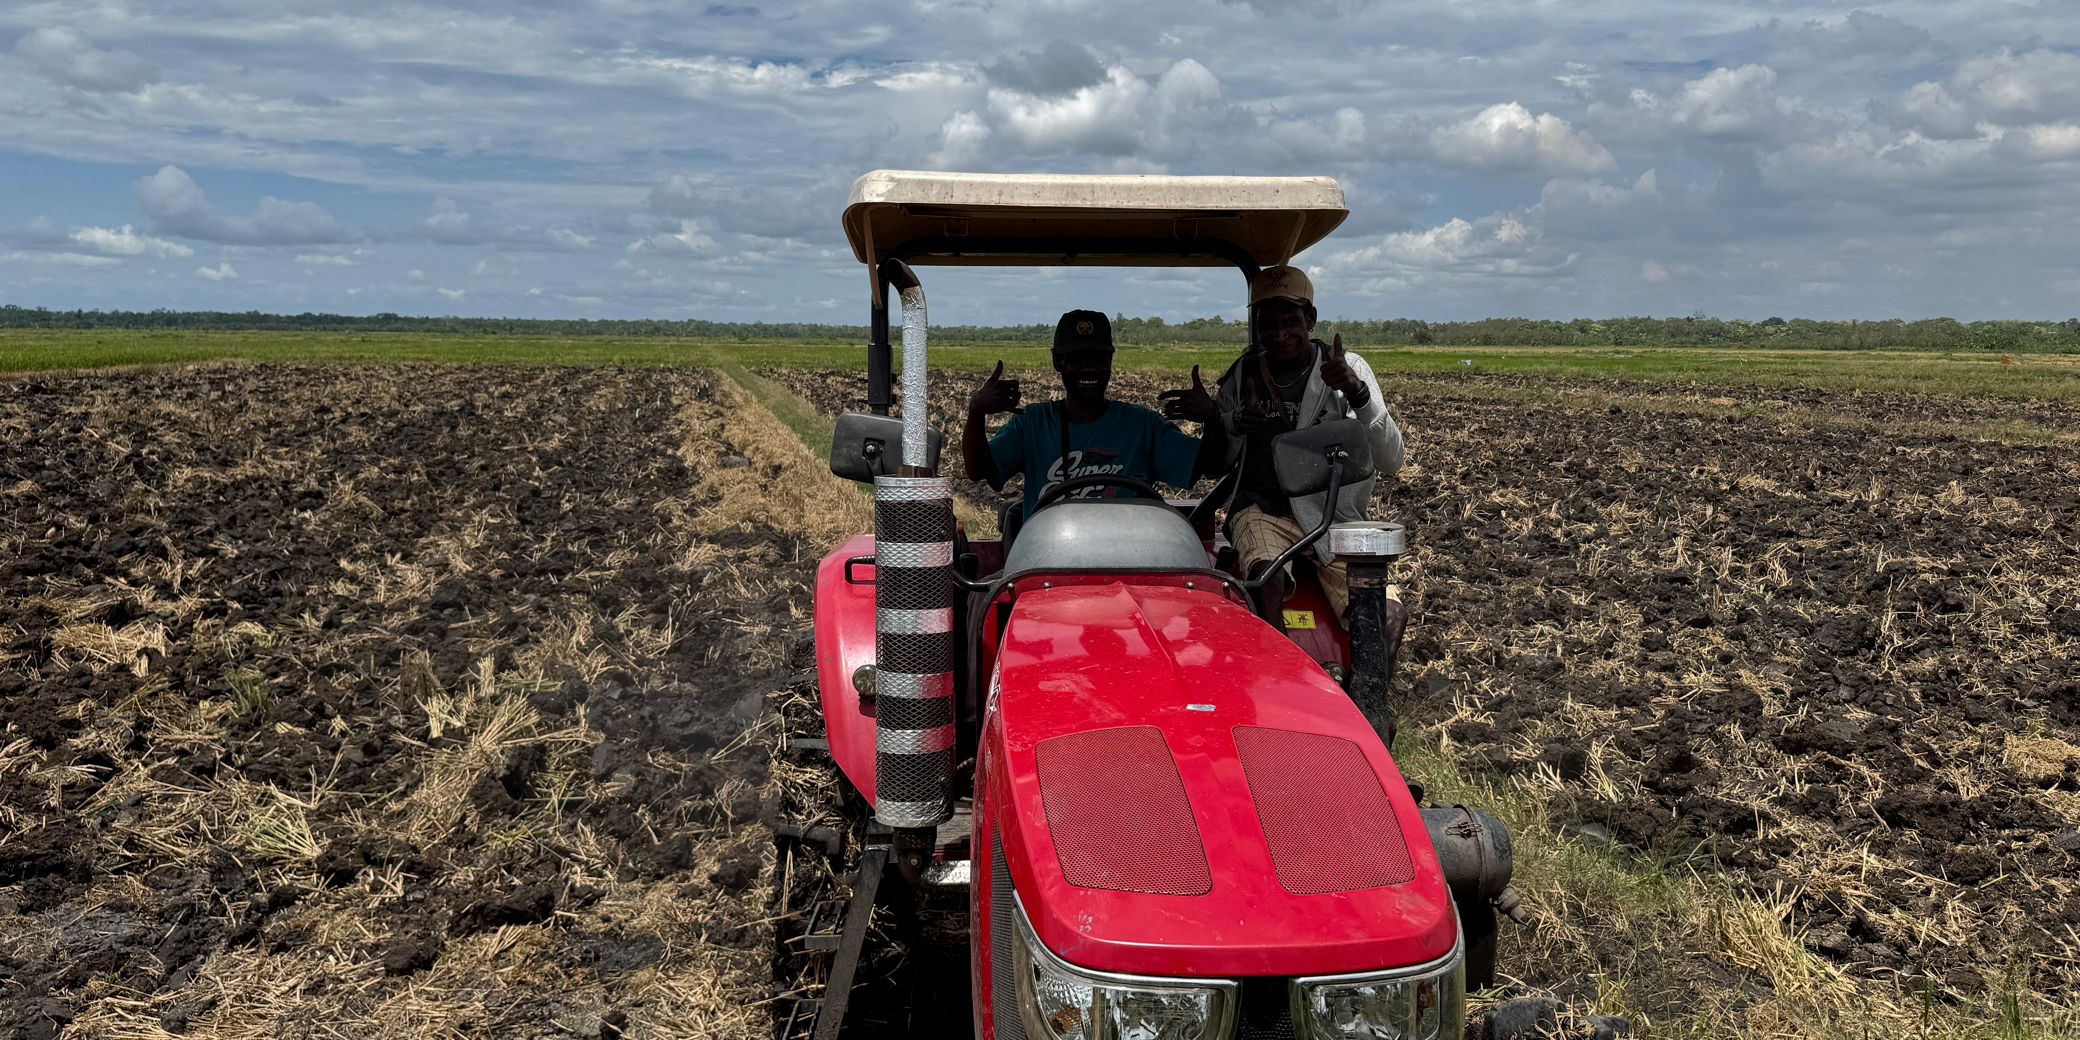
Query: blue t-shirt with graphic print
{"points": [[1128, 439]]}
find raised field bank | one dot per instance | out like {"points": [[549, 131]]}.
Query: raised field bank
{"points": [[423, 701]]}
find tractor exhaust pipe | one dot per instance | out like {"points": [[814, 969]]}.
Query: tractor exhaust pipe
{"points": [[916, 408], [913, 605]]}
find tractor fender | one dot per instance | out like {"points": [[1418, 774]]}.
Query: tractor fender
{"points": [[844, 619]]}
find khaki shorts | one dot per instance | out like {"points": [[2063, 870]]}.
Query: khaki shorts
{"points": [[1259, 537]]}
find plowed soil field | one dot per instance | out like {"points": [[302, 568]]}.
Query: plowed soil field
{"points": [[428, 701], [384, 701], [1837, 660]]}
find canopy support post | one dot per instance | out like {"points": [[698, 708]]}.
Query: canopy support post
{"points": [[880, 357]]}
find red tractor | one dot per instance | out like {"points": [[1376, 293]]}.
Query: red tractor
{"points": [[1159, 813]]}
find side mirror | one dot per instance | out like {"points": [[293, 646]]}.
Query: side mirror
{"points": [[866, 446], [1301, 458]]}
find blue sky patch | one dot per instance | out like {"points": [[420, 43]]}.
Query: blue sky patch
{"points": [[1516, 159]]}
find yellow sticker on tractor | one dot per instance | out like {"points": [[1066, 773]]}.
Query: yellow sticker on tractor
{"points": [[1301, 619]]}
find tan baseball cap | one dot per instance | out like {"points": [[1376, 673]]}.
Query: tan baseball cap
{"points": [[1282, 283]]}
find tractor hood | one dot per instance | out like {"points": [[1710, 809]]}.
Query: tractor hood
{"points": [[1185, 793]]}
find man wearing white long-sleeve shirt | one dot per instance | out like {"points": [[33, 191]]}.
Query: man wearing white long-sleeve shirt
{"points": [[1289, 380]]}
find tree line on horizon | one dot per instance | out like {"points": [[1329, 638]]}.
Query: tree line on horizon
{"points": [[1695, 330]]}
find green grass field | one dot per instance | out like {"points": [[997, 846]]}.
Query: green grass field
{"points": [[2031, 377]]}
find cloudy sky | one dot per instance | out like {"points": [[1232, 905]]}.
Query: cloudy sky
{"points": [[663, 158]]}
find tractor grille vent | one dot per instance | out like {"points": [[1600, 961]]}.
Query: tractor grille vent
{"points": [[1119, 814], [1011, 1025], [1266, 1011], [1326, 818]]}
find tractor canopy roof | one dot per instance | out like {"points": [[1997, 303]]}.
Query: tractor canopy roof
{"points": [[1083, 219]]}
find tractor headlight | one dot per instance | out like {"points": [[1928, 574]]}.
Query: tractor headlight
{"points": [[1427, 1002], [1064, 1002]]}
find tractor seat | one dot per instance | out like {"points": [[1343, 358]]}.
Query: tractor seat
{"points": [[1120, 534], [1009, 519]]}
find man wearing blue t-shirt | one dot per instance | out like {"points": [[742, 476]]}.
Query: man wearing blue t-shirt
{"points": [[1081, 435]]}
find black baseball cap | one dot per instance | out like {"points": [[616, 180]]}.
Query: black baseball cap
{"points": [[1081, 332]]}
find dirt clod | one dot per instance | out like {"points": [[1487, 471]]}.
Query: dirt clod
{"points": [[409, 954]]}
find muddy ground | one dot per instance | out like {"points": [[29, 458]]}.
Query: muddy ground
{"points": [[1839, 662], [398, 701]]}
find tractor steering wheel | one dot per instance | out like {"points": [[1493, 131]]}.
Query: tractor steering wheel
{"points": [[1118, 480]]}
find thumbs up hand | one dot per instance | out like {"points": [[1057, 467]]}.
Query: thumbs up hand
{"points": [[996, 394], [1337, 372], [1192, 405]]}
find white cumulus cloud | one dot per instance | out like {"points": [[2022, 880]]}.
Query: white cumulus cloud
{"points": [[679, 196], [1731, 103], [1931, 109], [1503, 237], [570, 241], [2028, 87], [1499, 245], [2049, 142], [59, 259], [687, 241], [1122, 116], [1852, 162], [1058, 67], [961, 139], [448, 223], [1508, 137], [69, 57], [706, 75], [177, 206], [223, 272], [1594, 209], [124, 241], [1991, 91]]}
